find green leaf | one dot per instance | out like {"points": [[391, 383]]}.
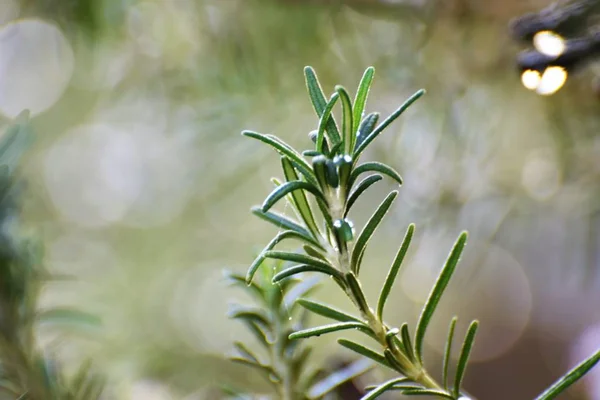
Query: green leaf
{"points": [[258, 333], [338, 378], [298, 269], [335, 149], [240, 281], [286, 188], [281, 222], [395, 268], [323, 122], [365, 128], [363, 145], [436, 293], [427, 392], [245, 352], [570, 378], [369, 229], [286, 150], [278, 238], [311, 153], [86, 385], [311, 251], [319, 103], [377, 167], [359, 189], [464, 357], [360, 100], [407, 342], [321, 330], [379, 390], [68, 316], [355, 288], [347, 119], [365, 352], [256, 315], [298, 258], [448, 351], [327, 311], [261, 367], [299, 197]]}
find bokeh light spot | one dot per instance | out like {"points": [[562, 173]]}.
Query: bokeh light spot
{"points": [[531, 79], [549, 43], [36, 64]]}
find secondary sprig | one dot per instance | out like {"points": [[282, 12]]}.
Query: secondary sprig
{"points": [[283, 363], [322, 192]]}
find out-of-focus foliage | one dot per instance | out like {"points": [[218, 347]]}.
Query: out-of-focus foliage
{"points": [[140, 185]]}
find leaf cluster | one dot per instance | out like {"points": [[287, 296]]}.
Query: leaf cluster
{"points": [[282, 362]]}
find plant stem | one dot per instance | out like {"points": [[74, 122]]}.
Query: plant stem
{"points": [[410, 369], [281, 362]]}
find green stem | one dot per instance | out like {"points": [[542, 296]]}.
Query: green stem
{"points": [[411, 370]]}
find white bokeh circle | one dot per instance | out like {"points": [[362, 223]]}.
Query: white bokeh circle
{"points": [[36, 64]]}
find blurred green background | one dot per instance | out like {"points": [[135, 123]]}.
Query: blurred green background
{"points": [[140, 184]]}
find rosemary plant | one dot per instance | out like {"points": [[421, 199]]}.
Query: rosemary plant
{"points": [[322, 192], [28, 372], [286, 366]]}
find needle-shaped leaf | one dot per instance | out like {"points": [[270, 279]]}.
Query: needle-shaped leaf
{"points": [[363, 145], [245, 352], [365, 352], [321, 330], [68, 316], [299, 198], [436, 293], [360, 100], [359, 189], [281, 221], [323, 122], [463, 359], [407, 342], [428, 392], [86, 384], [327, 311], [317, 98], [298, 269], [448, 352], [384, 387], [298, 258], [338, 378], [278, 238], [376, 167], [393, 273], [570, 378], [258, 333], [256, 315], [368, 230], [365, 128], [262, 368], [311, 153], [286, 150], [287, 188], [347, 119]]}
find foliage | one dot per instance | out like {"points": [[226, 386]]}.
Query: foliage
{"points": [[29, 372], [287, 364], [322, 193]]}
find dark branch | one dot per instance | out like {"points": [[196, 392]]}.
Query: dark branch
{"points": [[577, 53], [568, 19]]}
